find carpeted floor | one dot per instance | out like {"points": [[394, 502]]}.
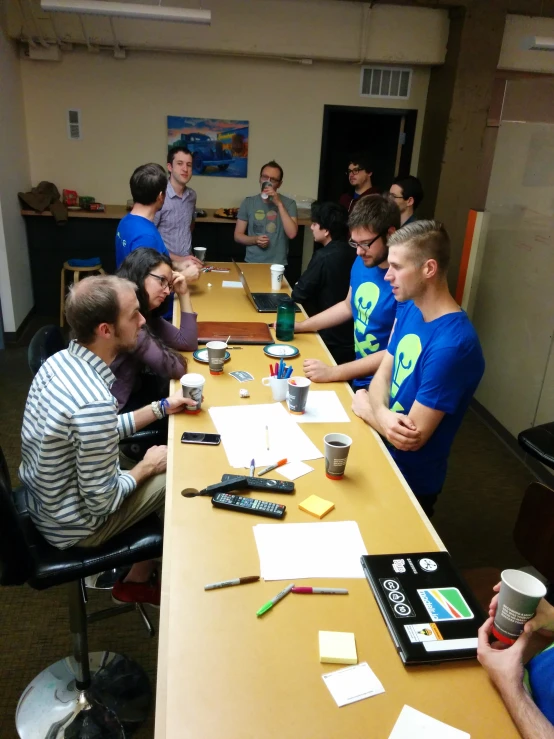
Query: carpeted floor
{"points": [[475, 517]]}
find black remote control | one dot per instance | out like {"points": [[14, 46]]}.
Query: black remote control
{"points": [[235, 482], [265, 485], [248, 505]]}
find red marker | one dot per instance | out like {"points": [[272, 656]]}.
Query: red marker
{"points": [[324, 591]]}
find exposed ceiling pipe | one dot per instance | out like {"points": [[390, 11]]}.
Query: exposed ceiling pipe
{"points": [[24, 30], [90, 46], [129, 10], [364, 31], [42, 40]]}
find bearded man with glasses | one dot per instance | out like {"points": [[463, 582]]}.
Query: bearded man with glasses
{"points": [[359, 173], [369, 302]]}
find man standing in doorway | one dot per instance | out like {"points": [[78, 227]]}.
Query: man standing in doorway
{"points": [[408, 193], [359, 175], [267, 221], [175, 221], [432, 365]]}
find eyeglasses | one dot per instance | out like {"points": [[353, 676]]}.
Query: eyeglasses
{"points": [[164, 282], [367, 244], [354, 170], [273, 180], [397, 197]]}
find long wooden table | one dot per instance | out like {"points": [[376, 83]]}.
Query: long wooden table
{"points": [[222, 672]]}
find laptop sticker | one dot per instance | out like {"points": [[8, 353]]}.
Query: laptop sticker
{"points": [[445, 604]]}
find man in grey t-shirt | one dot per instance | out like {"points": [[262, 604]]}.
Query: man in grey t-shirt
{"points": [[265, 224]]}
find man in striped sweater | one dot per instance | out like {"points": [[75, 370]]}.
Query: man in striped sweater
{"points": [[77, 494]]}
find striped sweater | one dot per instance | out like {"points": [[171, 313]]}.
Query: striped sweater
{"points": [[70, 447]]}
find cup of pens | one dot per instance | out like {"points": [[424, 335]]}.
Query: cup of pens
{"points": [[278, 380]]}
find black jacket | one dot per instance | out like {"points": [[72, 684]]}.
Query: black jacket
{"points": [[325, 283]]}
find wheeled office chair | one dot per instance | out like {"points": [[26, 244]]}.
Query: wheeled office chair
{"points": [[98, 695], [534, 528]]}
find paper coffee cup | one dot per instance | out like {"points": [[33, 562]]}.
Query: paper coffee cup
{"points": [[216, 356], [297, 394], [192, 386], [200, 252], [279, 387], [337, 447], [518, 599], [277, 272]]}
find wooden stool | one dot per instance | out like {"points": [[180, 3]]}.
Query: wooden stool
{"points": [[76, 266]]}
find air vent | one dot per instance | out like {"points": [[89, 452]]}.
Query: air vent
{"points": [[74, 124], [386, 82]]}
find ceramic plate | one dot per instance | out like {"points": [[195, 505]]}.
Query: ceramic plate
{"points": [[281, 350], [201, 355]]}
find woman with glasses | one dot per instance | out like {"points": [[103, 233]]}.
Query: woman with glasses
{"points": [[155, 357]]}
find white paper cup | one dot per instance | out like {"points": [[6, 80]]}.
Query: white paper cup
{"points": [[277, 272], [278, 387], [200, 253], [192, 386]]}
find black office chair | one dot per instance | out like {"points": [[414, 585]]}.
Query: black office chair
{"points": [[538, 441], [98, 695]]}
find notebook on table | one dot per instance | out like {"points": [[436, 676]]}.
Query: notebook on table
{"points": [[430, 612], [262, 302], [240, 333]]}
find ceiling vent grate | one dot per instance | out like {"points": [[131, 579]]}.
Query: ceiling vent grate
{"points": [[74, 125], [386, 82]]}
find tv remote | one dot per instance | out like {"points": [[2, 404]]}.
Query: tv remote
{"points": [[248, 505], [263, 484], [235, 482]]}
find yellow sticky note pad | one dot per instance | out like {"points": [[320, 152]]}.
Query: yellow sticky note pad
{"points": [[316, 506], [338, 647]]}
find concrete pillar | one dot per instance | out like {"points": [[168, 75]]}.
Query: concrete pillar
{"points": [[458, 100]]}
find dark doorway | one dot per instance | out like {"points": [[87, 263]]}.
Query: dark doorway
{"points": [[387, 134]]}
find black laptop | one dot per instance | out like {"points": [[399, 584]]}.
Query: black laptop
{"points": [[262, 302], [430, 612]]}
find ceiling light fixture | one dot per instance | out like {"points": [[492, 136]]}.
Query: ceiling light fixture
{"points": [[538, 43], [128, 10]]}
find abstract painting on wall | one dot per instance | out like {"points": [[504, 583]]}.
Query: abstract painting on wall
{"points": [[219, 148]]}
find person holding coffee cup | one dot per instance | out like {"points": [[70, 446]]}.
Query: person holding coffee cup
{"points": [[159, 341], [267, 221], [523, 673]]}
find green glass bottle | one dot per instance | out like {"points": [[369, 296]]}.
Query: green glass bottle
{"points": [[285, 320]]}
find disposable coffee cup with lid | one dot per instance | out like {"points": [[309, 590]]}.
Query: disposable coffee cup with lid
{"points": [[192, 385]]}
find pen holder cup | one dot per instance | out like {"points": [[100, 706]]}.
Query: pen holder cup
{"points": [[278, 387]]}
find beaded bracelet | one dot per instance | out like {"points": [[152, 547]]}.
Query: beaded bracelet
{"points": [[164, 406], [156, 410]]}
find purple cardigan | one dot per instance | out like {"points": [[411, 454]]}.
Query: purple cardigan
{"points": [[128, 365]]}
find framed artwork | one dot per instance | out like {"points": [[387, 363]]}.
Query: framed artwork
{"points": [[219, 148]]}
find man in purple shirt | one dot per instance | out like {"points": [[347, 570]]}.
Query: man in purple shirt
{"points": [[175, 220]]}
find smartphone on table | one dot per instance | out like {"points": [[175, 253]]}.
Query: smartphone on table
{"points": [[190, 437]]}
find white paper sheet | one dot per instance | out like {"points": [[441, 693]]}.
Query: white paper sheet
{"points": [[353, 684], [231, 283], [242, 429], [293, 551], [323, 406], [294, 469], [412, 724]]}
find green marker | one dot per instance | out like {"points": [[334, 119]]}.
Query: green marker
{"points": [[273, 601]]}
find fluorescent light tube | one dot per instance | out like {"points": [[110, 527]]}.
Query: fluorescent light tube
{"points": [[538, 43], [128, 10]]}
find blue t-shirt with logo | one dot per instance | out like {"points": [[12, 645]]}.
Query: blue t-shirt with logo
{"points": [[373, 310], [134, 232], [439, 364], [539, 680]]}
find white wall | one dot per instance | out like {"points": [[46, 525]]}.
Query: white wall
{"points": [[513, 56], [15, 278], [124, 105]]}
